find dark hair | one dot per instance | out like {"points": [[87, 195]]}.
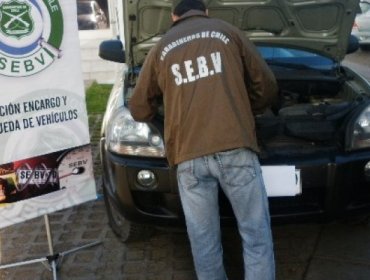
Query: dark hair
{"points": [[186, 5]]}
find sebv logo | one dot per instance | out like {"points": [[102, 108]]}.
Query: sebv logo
{"points": [[31, 32]]}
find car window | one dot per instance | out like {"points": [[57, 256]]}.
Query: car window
{"points": [[84, 8], [293, 57]]}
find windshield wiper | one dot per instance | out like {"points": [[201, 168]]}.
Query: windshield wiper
{"points": [[289, 65]]}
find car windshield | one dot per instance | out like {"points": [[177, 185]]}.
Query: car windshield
{"points": [[293, 58], [84, 8]]}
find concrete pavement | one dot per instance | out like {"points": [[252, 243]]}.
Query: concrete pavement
{"points": [[337, 251], [360, 62]]}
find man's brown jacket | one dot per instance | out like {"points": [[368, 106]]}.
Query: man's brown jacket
{"points": [[213, 81]]}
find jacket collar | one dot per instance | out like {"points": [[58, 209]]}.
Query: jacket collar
{"points": [[189, 14]]}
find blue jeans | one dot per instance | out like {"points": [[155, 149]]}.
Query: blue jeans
{"points": [[239, 175]]}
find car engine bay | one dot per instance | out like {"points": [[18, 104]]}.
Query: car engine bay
{"points": [[309, 118]]}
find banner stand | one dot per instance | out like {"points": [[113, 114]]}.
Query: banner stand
{"points": [[53, 260]]}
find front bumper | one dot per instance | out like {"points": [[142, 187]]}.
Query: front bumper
{"points": [[330, 187]]}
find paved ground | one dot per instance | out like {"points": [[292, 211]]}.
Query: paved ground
{"points": [[360, 61], [335, 251]]}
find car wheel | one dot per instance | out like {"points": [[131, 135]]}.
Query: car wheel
{"points": [[125, 230], [365, 47]]}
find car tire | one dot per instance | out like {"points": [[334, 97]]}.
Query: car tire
{"points": [[125, 230], [365, 47]]}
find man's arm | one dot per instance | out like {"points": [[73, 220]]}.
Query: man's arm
{"points": [[143, 103], [259, 79]]}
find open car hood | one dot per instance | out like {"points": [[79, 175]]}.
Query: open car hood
{"points": [[320, 26]]}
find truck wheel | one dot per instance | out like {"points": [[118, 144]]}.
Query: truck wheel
{"points": [[125, 230]]}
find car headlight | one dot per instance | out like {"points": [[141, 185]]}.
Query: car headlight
{"points": [[127, 137], [359, 132]]}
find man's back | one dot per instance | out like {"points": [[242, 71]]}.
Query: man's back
{"points": [[201, 68]]}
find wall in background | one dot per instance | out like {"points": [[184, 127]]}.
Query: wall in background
{"points": [[93, 67]]}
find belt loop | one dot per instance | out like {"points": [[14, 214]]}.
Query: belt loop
{"points": [[205, 159]]}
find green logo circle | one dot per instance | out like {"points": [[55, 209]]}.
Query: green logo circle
{"points": [[31, 33]]}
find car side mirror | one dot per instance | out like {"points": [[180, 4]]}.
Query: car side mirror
{"points": [[353, 44], [112, 50]]}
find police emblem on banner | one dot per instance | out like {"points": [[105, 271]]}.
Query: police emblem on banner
{"points": [[31, 33], [16, 19]]}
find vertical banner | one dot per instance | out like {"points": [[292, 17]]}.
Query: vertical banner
{"points": [[45, 155]]}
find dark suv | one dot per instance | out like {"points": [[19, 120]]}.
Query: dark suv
{"points": [[315, 144]]}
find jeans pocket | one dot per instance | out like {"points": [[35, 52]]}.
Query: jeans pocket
{"points": [[185, 174], [238, 167]]}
